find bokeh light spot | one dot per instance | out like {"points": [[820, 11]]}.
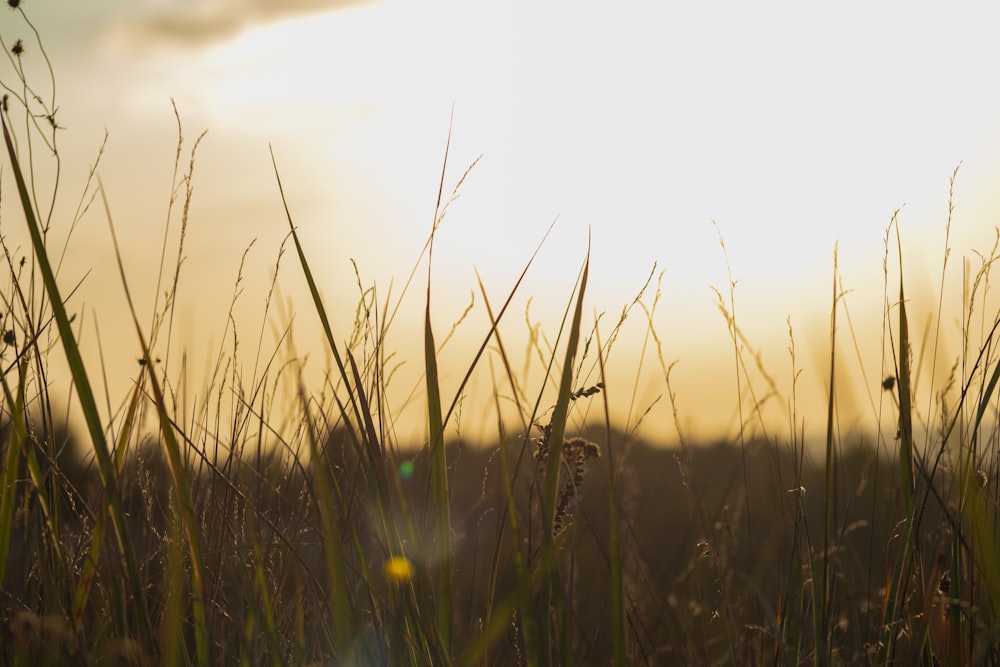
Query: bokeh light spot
{"points": [[398, 569]]}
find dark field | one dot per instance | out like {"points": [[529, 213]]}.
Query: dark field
{"points": [[718, 555]]}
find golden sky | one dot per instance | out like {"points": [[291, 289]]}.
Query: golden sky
{"points": [[793, 128]]}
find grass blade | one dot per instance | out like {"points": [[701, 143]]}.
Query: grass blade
{"points": [[439, 482], [85, 395], [900, 571], [439, 460], [314, 293], [12, 463], [341, 605], [830, 514], [179, 475], [89, 567], [618, 637], [550, 486], [561, 411], [905, 400]]}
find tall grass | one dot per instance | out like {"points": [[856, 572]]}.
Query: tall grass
{"points": [[286, 524]]}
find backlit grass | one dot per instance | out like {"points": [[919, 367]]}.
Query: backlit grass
{"points": [[287, 524]]}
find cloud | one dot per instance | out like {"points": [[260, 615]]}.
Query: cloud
{"points": [[200, 23]]}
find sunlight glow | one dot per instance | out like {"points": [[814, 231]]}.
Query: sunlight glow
{"points": [[635, 127]]}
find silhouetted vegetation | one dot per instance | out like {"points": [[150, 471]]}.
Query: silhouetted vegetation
{"points": [[234, 532]]}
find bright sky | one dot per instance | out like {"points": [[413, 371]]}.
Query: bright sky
{"points": [[792, 127]]}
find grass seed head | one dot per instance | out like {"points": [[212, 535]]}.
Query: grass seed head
{"points": [[576, 452]]}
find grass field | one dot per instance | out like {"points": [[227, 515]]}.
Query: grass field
{"points": [[285, 524]]}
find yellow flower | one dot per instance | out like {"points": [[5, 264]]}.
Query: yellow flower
{"points": [[398, 569]]}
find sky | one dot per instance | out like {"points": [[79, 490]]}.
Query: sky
{"points": [[646, 132]]}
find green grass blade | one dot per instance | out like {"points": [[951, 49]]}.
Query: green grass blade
{"points": [[314, 293], [561, 411], [984, 402], [494, 323], [265, 606], [822, 613], [439, 481], [89, 567], [905, 404], [374, 458], [552, 469], [618, 638], [341, 605], [901, 568], [85, 395], [499, 624], [179, 475], [528, 622], [981, 512], [12, 463], [439, 460]]}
